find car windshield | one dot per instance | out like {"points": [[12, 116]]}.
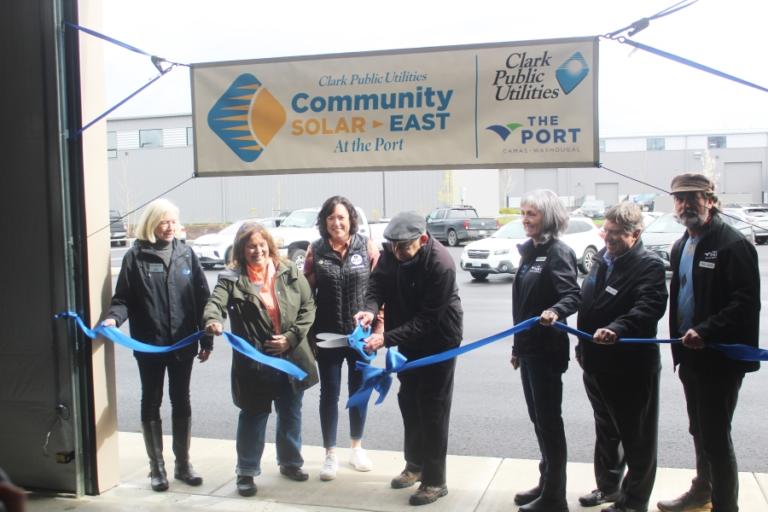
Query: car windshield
{"points": [[756, 212], [665, 224], [512, 229], [231, 230], [305, 219]]}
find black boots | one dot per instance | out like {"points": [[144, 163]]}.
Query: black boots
{"points": [[153, 441], [182, 432]]}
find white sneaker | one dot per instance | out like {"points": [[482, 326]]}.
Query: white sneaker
{"points": [[330, 467], [359, 460]]}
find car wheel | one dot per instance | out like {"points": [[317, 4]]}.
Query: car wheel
{"points": [[207, 266], [453, 239], [587, 259], [479, 276], [761, 241], [298, 256]]}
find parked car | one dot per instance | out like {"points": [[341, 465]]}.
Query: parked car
{"points": [[299, 229], [118, 234], [660, 234], [216, 248], [593, 208], [756, 216], [377, 231], [457, 224], [498, 254]]}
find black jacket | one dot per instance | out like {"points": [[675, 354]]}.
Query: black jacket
{"points": [[423, 313], [340, 284], [546, 279], [164, 305], [630, 303], [726, 290]]}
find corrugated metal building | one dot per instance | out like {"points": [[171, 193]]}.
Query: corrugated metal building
{"points": [[151, 156]]}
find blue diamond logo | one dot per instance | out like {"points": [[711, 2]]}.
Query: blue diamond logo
{"points": [[571, 72]]}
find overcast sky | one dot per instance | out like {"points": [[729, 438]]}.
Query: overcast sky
{"points": [[639, 93]]}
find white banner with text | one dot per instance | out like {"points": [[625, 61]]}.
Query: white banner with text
{"points": [[506, 105]]}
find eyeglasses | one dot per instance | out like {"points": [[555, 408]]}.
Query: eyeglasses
{"points": [[401, 244]]}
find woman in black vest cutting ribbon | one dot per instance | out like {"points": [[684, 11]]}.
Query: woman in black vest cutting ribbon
{"points": [[337, 267]]}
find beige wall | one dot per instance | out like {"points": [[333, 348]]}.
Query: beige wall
{"points": [[97, 217]]}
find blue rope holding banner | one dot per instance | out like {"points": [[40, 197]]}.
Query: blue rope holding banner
{"points": [[156, 61], [116, 336], [380, 379]]}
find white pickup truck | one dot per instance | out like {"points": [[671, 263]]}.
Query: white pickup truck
{"points": [[299, 229]]}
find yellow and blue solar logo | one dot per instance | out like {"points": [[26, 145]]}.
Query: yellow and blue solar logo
{"points": [[247, 117]]}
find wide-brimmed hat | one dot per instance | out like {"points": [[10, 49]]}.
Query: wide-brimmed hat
{"points": [[691, 182], [405, 226]]}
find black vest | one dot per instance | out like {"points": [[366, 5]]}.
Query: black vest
{"points": [[340, 285]]}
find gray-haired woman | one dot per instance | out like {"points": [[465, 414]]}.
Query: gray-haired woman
{"points": [[545, 286]]}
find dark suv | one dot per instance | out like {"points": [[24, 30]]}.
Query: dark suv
{"points": [[118, 233]]}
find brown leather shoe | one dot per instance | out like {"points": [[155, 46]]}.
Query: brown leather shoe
{"points": [[428, 494], [406, 479], [689, 501]]}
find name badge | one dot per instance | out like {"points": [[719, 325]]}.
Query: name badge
{"points": [[707, 264], [541, 258], [156, 267], [611, 290]]}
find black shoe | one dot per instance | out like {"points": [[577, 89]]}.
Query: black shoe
{"points": [[598, 497], [294, 473], [623, 508], [428, 494], [187, 474], [245, 486], [525, 497], [690, 500], [542, 504]]}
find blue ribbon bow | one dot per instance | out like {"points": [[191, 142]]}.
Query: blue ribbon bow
{"points": [[116, 336]]}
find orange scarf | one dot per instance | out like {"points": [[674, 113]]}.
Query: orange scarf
{"points": [[264, 277]]}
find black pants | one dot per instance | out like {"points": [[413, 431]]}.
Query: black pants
{"points": [[626, 408], [711, 397], [425, 403], [543, 389], [152, 372]]}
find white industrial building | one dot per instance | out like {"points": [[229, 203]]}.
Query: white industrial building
{"points": [[149, 156]]}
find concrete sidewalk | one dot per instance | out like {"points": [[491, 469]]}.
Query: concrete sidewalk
{"points": [[482, 484]]}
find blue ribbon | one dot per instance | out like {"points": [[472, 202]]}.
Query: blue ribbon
{"points": [[380, 379], [737, 351], [116, 336]]}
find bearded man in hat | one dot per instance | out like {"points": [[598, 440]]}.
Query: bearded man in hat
{"points": [[415, 281], [714, 298]]}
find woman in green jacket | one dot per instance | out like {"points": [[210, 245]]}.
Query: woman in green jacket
{"points": [[270, 305]]}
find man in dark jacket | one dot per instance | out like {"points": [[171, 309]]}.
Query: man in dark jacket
{"points": [[714, 298], [624, 296], [415, 281]]}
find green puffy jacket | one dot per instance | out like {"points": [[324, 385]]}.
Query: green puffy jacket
{"points": [[254, 385]]}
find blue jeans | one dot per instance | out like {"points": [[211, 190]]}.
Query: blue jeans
{"points": [[251, 428], [330, 361]]}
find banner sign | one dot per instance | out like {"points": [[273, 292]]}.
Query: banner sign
{"points": [[524, 104]]}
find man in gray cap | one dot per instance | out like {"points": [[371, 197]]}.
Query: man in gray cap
{"points": [[714, 298], [415, 281]]}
